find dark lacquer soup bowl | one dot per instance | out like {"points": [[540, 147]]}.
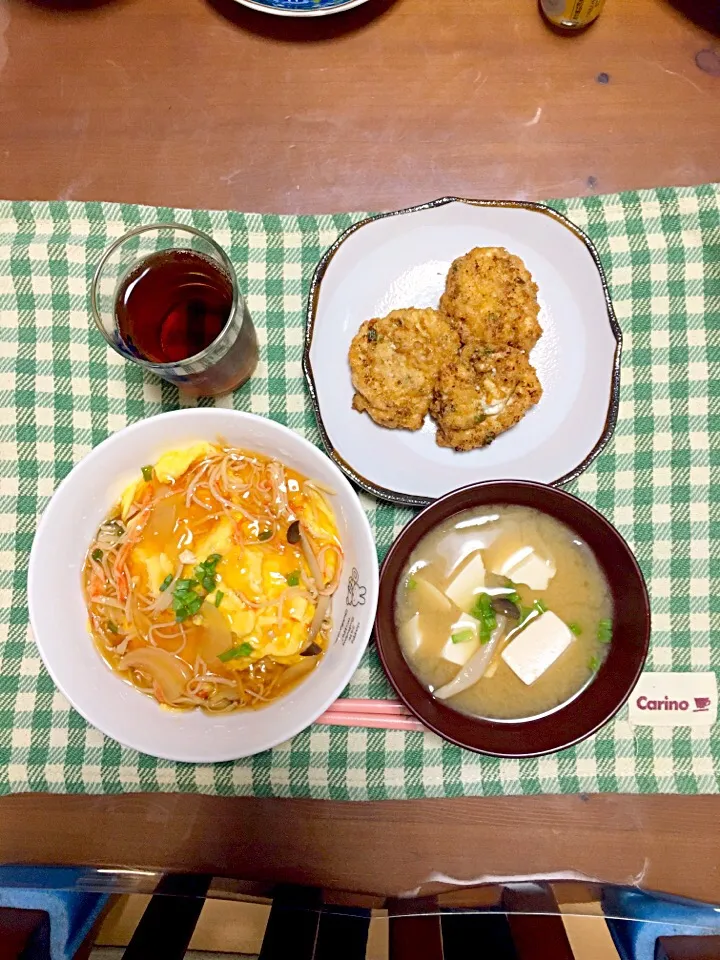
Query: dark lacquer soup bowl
{"points": [[599, 700]]}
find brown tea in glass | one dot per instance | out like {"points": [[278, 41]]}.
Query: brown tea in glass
{"points": [[176, 310], [173, 305]]}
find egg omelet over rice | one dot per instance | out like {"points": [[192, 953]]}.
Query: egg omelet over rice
{"points": [[466, 364], [209, 583]]}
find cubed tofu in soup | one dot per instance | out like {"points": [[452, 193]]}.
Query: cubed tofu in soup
{"points": [[509, 614], [412, 636], [428, 593], [528, 567], [536, 648], [463, 640], [466, 584]]}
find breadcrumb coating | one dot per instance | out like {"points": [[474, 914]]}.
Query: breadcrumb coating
{"points": [[482, 393], [394, 363], [491, 297]]}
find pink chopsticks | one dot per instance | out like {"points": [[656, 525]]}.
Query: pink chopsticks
{"points": [[387, 714]]}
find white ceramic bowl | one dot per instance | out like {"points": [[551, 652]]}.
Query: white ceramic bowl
{"points": [[59, 618]]}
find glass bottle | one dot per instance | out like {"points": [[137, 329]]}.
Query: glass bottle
{"points": [[571, 14]]}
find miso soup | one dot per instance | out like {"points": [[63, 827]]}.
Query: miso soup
{"points": [[503, 612]]}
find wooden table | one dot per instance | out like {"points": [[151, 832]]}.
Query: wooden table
{"points": [[203, 103]]}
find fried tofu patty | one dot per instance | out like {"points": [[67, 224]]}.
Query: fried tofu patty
{"points": [[394, 361], [490, 296], [482, 393]]}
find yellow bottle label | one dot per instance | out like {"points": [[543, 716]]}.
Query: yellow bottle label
{"points": [[572, 13]]}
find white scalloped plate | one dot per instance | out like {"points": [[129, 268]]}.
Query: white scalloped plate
{"points": [[401, 260]]}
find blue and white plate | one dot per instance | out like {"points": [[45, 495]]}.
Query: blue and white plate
{"points": [[301, 8]]}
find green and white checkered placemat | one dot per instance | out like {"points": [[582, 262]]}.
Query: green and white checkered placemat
{"points": [[62, 391]]}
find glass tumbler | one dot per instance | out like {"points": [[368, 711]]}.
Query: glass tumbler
{"points": [[165, 296]]}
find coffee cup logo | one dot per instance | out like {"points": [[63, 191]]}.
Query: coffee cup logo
{"points": [[677, 699]]}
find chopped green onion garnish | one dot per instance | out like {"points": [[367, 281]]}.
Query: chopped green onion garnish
{"points": [[205, 572], [166, 582], [183, 585], [604, 631], [293, 579], [514, 598], [97, 554], [462, 636], [183, 611], [218, 597], [593, 664], [112, 627], [147, 473], [540, 606], [483, 611], [481, 606], [265, 535], [412, 583], [186, 600], [244, 650], [575, 628]]}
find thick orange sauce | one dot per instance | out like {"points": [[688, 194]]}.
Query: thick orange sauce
{"points": [[241, 642]]}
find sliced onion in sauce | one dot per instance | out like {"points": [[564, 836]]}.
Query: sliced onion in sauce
{"points": [[170, 673], [215, 634], [162, 520], [296, 672]]}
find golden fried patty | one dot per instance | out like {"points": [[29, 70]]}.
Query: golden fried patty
{"points": [[491, 297], [482, 393], [394, 362]]}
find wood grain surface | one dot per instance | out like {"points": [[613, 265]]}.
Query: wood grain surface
{"points": [[393, 848], [203, 103]]}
